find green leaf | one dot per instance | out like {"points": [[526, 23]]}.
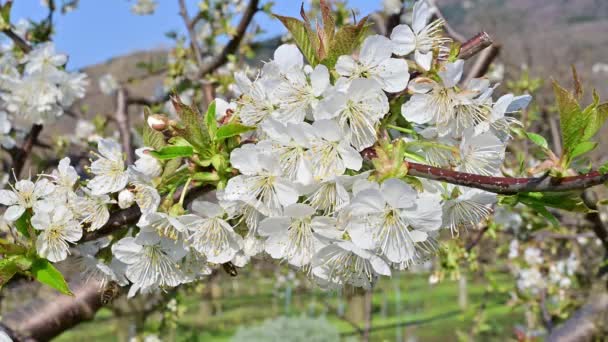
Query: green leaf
{"points": [[46, 273], [346, 40], [582, 148], [596, 120], [8, 269], [205, 177], [603, 169], [152, 138], [5, 15], [545, 213], [231, 130], [210, 120], [171, 167], [301, 35], [570, 201], [193, 125], [538, 139], [172, 152], [8, 248], [572, 121], [23, 224]]}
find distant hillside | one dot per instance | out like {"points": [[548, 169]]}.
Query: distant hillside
{"points": [[546, 35]]}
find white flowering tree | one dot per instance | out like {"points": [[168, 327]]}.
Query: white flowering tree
{"points": [[346, 156]]}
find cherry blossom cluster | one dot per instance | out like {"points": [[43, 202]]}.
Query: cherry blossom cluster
{"points": [[36, 88], [302, 191]]}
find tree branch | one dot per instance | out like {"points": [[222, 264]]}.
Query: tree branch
{"points": [[122, 120], [475, 45], [20, 42], [196, 49], [477, 239], [483, 62], [587, 322], [508, 185], [234, 43], [43, 320], [20, 155]]}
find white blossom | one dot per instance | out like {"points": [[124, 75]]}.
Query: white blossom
{"points": [[342, 263], [109, 169], [358, 111], [393, 219], [331, 154], [57, 229], [144, 7], [26, 194], [421, 38], [210, 234], [375, 62], [261, 183], [6, 140], [466, 207], [64, 177], [296, 235], [151, 264], [108, 84]]}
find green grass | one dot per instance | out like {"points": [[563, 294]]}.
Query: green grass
{"points": [[432, 312]]}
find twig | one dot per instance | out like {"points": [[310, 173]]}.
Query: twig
{"points": [[196, 49], [234, 43], [547, 321], [483, 62], [474, 45], [353, 324], [368, 314], [449, 30], [122, 120], [20, 42], [20, 155], [477, 239], [508, 185]]}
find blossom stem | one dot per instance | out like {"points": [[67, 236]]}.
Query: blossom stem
{"points": [[453, 149], [402, 130], [184, 191]]}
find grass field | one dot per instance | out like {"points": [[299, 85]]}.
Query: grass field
{"points": [[402, 306]]}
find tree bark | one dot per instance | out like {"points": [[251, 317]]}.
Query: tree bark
{"points": [[42, 320]]}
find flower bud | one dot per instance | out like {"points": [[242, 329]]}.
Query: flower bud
{"points": [[125, 199], [157, 122]]}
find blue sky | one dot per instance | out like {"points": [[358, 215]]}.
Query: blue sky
{"points": [[101, 29]]}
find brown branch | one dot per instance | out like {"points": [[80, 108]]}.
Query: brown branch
{"points": [[477, 239], [122, 121], [20, 42], [20, 155], [545, 314], [234, 43], [588, 322], [508, 185], [43, 320], [475, 45]]}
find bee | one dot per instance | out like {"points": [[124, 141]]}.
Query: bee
{"points": [[230, 269], [109, 292]]}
